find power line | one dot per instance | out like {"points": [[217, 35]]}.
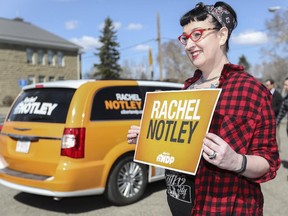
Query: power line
{"points": [[138, 44], [125, 48]]}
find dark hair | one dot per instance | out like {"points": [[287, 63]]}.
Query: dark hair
{"points": [[271, 81], [200, 13]]}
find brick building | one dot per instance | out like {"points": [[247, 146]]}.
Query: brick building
{"points": [[29, 54]]}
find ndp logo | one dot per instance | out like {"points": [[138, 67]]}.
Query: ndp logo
{"points": [[166, 158]]}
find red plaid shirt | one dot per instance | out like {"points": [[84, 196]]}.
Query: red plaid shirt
{"points": [[243, 118]]}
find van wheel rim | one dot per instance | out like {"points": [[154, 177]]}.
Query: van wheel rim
{"points": [[130, 179]]}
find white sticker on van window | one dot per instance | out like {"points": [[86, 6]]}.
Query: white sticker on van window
{"points": [[128, 97], [30, 106]]}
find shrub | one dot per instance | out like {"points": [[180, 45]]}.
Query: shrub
{"points": [[8, 100]]}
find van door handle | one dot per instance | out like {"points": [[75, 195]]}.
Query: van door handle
{"points": [[23, 138], [22, 129]]}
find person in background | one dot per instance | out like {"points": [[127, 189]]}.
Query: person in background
{"points": [[276, 104], [240, 150], [284, 106]]}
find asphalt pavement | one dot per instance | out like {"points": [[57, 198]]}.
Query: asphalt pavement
{"points": [[276, 191]]}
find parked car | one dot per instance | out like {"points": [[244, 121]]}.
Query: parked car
{"points": [[69, 138], [1, 121]]}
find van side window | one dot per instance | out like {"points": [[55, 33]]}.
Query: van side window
{"points": [[121, 102], [117, 102]]}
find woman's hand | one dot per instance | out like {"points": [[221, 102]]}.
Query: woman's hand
{"points": [[133, 133], [218, 152]]}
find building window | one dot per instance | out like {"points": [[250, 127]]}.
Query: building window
{"points": [[60, 59], [30, 56], [51, 78], [31, 79], [51, 58], [40, 57], [61, 78], [41, 79]]}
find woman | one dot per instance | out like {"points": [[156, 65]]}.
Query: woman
{"points": [[240, 150]]}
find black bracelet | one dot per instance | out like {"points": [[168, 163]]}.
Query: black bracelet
{"points": [[243, 166]]}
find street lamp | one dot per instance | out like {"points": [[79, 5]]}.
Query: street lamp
{"points": [[274, 8]]}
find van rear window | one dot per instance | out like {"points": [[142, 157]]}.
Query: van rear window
{"points": [[42, 105]]}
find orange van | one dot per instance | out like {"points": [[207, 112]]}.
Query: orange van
{"points": [[68, 138]]}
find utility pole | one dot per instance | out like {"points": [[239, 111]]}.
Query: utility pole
{"points": [[151, 64], [159, 47]]}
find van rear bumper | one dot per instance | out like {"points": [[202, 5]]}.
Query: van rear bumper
{"points": [[11, 172], [49, 185], [44, 192]]}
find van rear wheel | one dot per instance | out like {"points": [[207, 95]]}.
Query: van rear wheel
{"points": [[127, 182]]}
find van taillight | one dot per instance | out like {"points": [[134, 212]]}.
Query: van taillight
{"points": [[73, 142]]}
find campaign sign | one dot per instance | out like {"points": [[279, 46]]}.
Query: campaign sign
{"points": [[173, 127]]}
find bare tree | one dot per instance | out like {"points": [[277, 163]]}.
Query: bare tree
{"points": [[176, 64], [275, 54], [132, 70], [278, 30], [277, 70], [127, 70]]}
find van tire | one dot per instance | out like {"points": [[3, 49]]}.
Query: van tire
{"points": [[122, 177]]}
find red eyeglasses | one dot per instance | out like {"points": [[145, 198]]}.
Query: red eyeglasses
{"points": [[195, 35]]}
